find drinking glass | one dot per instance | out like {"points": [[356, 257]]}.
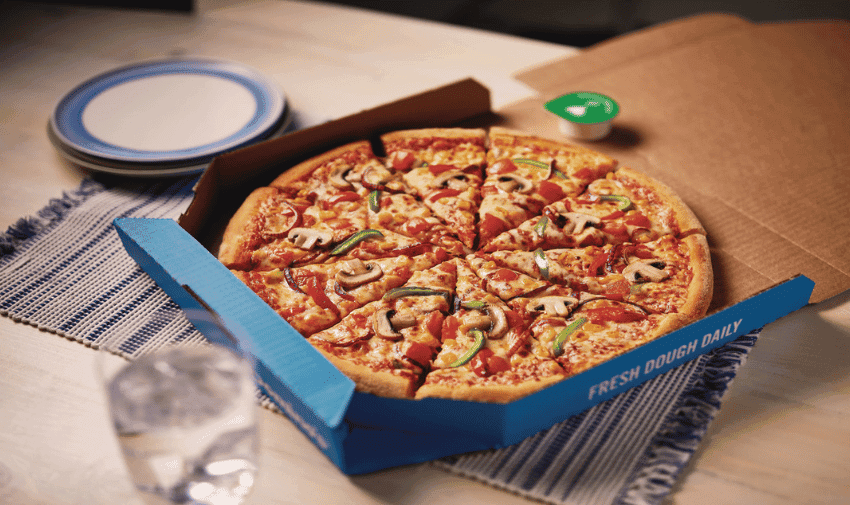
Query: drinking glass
{"points": [[186, 420]]}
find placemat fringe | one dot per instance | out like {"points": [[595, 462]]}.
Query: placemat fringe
{"points": [[679, 436]]}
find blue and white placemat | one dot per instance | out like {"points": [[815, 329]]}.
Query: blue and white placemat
{"points": [[66, 271]]}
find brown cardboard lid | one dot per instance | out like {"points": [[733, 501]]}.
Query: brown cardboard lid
{"points": [[747, 122]]}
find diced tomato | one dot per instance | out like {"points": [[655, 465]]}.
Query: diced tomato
{"points": [[618, 230], [345, 196], [479, 362], [402, 160], [503, 274], [491, 226], [434, 323], [614, 314], [442, 255], [449, 268], [597, 263], [584, 173], [433, 197], [496, 364], [502, 167], [514, 319], [617, 290], [641, 252], [439, 169], [614, 215], [417, 225], [419, 353], [450, 327], [637, 219], [312, 287], [550, 191]]}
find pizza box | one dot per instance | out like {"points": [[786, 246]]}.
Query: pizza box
{"points": [[747, 171]]}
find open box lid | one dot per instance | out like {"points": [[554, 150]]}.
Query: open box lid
{"points": [[746, 122]]}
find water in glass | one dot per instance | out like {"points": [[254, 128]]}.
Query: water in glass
{"points": [[186, 423]]}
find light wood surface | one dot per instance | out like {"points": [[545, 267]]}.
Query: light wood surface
{"points": [[782, 435]]}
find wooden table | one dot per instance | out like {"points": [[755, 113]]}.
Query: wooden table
{"points": [[782, 436]]}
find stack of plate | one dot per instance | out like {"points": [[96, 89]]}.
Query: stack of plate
{"points": [[166, 118]]}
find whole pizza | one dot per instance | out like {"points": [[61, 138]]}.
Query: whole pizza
{"points": [[472, 264]]}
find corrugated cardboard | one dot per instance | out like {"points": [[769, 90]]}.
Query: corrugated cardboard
{"points": [[697, 129], [748, 123]]}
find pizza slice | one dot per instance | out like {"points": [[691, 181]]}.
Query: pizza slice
{"points": [[443, 168], [314, 297], [524, 173], [387, 346], [581, 331], [506, 283], [625, 206], [485, 354], [271, 230], [353, 167], [404, 214], [666, 275]]}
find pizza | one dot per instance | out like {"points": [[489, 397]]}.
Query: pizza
{"points": [[471, 264]]}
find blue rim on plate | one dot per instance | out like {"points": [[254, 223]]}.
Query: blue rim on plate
{"points": [[68, 130]]}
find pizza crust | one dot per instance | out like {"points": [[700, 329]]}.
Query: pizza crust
{"points": [[490, 393], [702, 284], [234, 250], [396, 384], [685, 218], [286, 179]]}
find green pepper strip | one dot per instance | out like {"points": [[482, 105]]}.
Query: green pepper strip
{"points": [[349, 243], [375, 201], [625, 203], [478, 335], [473, 305], [542, 263], [540, 227], [558, 346], [534, 163], [559, 174], [405, 291]]}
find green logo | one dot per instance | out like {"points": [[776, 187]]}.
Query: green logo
{"points": [[584, 107]]}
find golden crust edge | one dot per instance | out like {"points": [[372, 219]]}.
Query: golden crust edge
{"points": [[434, 132], [496, 131], [307, 167], [367, 380], [701, 289], [231, 252], [490, 393], [686, 219]]}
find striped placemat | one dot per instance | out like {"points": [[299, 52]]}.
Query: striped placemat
{"points": [[65, 271]]}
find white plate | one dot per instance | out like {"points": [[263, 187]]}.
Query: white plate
{"points": [[173, 112]]}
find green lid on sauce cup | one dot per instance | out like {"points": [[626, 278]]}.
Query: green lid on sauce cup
{"points": [[584, 115]]}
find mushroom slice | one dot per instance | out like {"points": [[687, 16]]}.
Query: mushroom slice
{"points": [[452, 179], [339, 178], [554, 305], [651, 270], [577, 222], [307, 238], [513, 182], [479, 321], [493, 321], [356, 273], [499, 320], [387, 322]]}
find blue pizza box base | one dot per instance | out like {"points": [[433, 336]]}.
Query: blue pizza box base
{"points": [[362, 433]]}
